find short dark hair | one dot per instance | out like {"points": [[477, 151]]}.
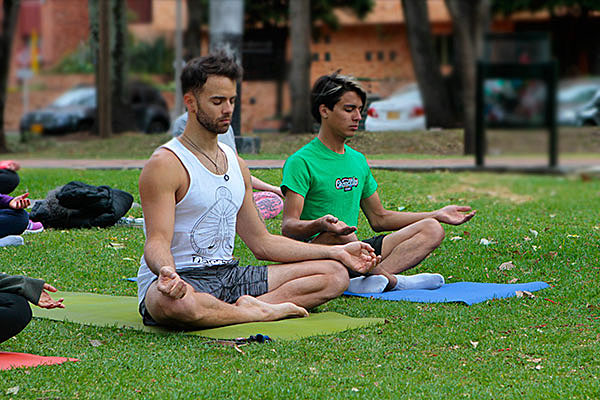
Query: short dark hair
{"points": [[329, 89], [197, 70]]}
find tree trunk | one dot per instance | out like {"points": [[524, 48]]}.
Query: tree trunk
{"points": [[10, 11], [192, 38], [226, 20], [470, 20], [439, 110], [300, 65], [103, 92], [124, 120]]}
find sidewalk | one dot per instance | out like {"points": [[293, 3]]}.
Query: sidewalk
{"points": [[492, 164]]}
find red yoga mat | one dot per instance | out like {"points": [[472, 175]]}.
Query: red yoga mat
{"points": [[17, 360]]}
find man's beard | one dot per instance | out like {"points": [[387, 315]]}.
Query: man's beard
{"points": [[208, 124]]}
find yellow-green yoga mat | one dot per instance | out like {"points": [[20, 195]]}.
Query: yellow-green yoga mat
{"points": [[121, 311]]}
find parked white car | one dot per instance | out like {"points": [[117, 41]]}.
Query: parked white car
{"points": [[402, 111], [574, 97]]}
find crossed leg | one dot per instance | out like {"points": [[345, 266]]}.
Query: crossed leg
{"points": [[306, 284], [291, 288], [400, 251], [410, 245]]}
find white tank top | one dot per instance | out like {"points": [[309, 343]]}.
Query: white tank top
{"points": [[205, 219]]}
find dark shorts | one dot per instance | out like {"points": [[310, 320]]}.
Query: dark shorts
{"points": [[225, 282], [376, 243]]}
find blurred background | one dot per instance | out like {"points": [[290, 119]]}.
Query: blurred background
{"points": [[416, 59]]}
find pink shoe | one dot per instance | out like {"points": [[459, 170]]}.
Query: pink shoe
{"points": [[34, 227]]}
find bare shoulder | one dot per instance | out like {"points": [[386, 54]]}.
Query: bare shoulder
{"points": [[244, 169], [242, 163], [163, 168]]}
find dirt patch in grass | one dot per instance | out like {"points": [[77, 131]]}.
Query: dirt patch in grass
{"points": [[280, 145], [497, 192], [447, 142]]}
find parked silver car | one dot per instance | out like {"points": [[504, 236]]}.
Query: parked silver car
{"points": [[402, 111], [574, 96], [589, 114], [507, 101]]}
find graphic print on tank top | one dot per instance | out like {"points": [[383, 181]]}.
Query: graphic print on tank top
{"points": [[215, 229]]}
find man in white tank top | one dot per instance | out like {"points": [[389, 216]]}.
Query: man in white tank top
{"points": [[196, 194]]}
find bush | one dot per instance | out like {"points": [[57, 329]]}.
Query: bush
{"points": [[151, 57], [76, 62], [143, 57]]}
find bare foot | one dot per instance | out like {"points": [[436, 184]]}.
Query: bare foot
{"points": [[270, 312]]}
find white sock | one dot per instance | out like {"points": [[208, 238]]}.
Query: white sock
{"points": [[11, 240], [368, 284], [419, 281]]}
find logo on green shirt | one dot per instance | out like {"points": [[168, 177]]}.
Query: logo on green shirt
{"points": [[346, 183]]}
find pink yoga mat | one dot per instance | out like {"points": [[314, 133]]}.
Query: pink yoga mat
{"points": [[17, 360]]}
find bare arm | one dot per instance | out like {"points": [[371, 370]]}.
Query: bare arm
{"points": [[262, 185], [266, 246], [159, 182], [292, 226], [381, 219]]}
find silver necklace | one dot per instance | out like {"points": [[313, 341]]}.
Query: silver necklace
{"points": [[198, 149]]}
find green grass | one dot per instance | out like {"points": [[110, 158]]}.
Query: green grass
{"points": [[541, 347]]}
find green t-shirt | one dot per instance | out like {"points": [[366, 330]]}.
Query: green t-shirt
{"points": [[330, 183]]}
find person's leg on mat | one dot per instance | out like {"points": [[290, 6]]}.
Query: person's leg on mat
{"points": [[9, 180], [15, 314]]}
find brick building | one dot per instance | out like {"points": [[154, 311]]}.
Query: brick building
{"points": [[374, 49]]}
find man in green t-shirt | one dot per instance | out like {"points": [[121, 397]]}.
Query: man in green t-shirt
{"points": [[326, 182]]}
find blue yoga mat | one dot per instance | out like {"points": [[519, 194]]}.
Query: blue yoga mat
{"points": [[465, 292]]}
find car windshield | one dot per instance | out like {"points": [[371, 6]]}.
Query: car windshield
{"points": [[85, 96]]}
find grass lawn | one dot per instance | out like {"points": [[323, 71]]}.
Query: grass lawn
{"points": [[542, 347]]}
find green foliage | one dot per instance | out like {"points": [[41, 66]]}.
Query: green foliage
{"points": [[323, 10], [541, 347], [151, 57], [77, 62], [277, 11], [507, 7], [154, 57]]}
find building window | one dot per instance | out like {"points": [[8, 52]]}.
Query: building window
{"points": [[392, 55], [315, 56], [368, 56], [263, 53], [380, 56], [327, 39], [141, 10], [327, 56]]}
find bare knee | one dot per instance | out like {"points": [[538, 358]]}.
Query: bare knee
{"points": [[433, 230], [336, 277], [168, 311]]}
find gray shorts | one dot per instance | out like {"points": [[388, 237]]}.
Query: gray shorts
{"points": [[226, 282]]}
